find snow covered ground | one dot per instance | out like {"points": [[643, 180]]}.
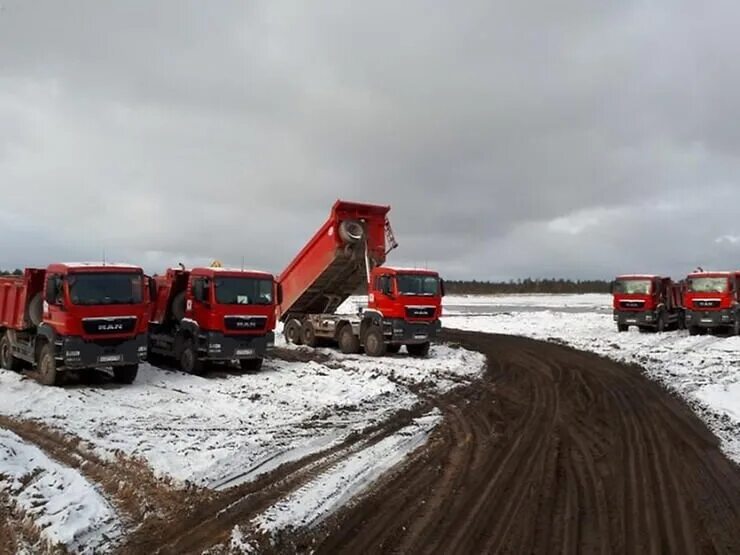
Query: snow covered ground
{"points": [[331, 490], [226, 428], [65, 507], [704, 370]]}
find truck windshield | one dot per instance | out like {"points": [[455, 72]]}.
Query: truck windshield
{"points": [[105, 288], [237, 290], [415, 284], [632, 286], [708, 284]]}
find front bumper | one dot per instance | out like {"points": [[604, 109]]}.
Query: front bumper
{"points": [[711, 318], [402, 332], [75, 353], [629, 318], [214, 345]]}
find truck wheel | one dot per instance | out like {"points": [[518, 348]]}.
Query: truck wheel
{"points": [[189, 359], [308, 334], [418, 349], [374, 342], [35, 309], [621, 328], [660, 326], [349, 343], [351, 231], [393, 349], [7, 360], [178, 306], [736, 326], [47, 366], [694, 330], [293, 332], [250, 364], [125, 374]]}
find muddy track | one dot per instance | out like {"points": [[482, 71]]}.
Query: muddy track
{"points": [[555, 450]]}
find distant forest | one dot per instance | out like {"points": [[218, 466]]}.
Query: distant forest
{"points": [[16, 272], [526, 286]]}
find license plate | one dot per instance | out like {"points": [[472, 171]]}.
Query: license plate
{"points": [[109, 358], [420, 336], [633, 321], [244, 352], [706, 320]]}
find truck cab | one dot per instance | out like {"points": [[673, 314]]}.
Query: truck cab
{"points": [[214, 314], [407, 303], [712, 301], [648, 302], [73, 316]]}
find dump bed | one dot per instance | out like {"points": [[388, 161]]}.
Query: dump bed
{"points": [[15, 294], [332, 265]]}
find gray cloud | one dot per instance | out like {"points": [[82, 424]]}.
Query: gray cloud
{"points": [[582, 140]]}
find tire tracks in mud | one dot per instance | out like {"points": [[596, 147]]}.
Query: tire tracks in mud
{"points": [[554, 450]]}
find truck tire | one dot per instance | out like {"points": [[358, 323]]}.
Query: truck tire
{"points": [[351, 231], [7, 360], [393, 349], [349, 343], [374, 342], [308, 334], [621, 328], [125, 374], [293, 332], [251, 364], [36, 310], [189, 362], [47, 366], [420, 350], [736, 326], [178, 306], [661, 324]]}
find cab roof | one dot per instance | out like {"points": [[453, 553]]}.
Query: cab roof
{"points": [[638, 276], [93, 266], [234, 272], [419, 271]]}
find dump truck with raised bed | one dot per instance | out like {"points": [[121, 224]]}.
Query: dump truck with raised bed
{"points": [[344, 257], [649, 302], [213, 314], [712, 301], [75, 316]]}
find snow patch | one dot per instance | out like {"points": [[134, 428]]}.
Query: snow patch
{"points": [[66, 507], [331, 490]]}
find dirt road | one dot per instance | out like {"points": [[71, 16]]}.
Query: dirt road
{"points": [[552, 451], [555, 451]]}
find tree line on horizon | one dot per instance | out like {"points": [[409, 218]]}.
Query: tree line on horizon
{"points": [[16, 272], [527, 285]]}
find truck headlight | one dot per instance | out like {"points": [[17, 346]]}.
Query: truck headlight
{"points": [[214, 347], [725, 317], [648, 317]]}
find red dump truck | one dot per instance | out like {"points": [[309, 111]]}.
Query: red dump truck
{"points": [[74, 317], [649, 302], [712, 302], [213, 315], [344, 257]]}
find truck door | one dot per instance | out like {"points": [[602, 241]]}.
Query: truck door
{"points": [[199, 308], [54, 302]]}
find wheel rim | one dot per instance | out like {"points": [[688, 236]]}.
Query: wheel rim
{"points": [[372, 342], [46, 365]]}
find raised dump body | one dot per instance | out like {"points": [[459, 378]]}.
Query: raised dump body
{"points": [[75, 316], [332, 265], [344, 257]]}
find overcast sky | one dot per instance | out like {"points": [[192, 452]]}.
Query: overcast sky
{"points": [[512, 139]]}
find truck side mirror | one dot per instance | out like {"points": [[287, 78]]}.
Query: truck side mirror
{"points": [[441, 288], [611, 287], [279, 293]]}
